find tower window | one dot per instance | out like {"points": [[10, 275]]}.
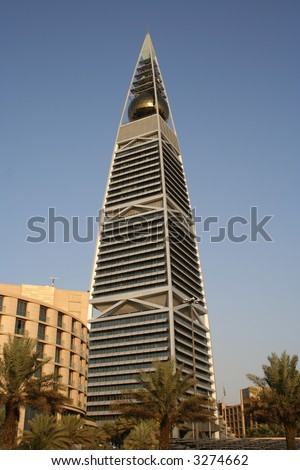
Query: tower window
{"points": [[57, 355], [59, 337], [56, 372], [40, 349], [19, 327], [60, 319], [43, 314], [21, 308], [41, 332]]}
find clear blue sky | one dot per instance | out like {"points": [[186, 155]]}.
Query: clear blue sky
{"points": [[231, 69]]}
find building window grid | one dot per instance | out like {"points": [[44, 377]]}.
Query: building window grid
{"points": [[122, 179], [152, 281], [134, 180], [133, 251], [126, 378], [195, 271], [130, 357], [125, 367], [139, 154], [118, 187], [187, 282], [188, 353], [193, 277], [121, 174], [123, 223], [137, 189], [173, 188], [202, 366], [132, 242], [128, 349], [152, 185], [106, 279], [185, 287], [177, 192], [185, 328], [177, 235], [119, 262], [132, 340], [141, 195], [175, 175], [131, 246], [103, 325], [184, 343], [137, 148], [134, 288], [129, 330], [134, 265], [185, 251], [175, 168], [134, 158], [176, 225], [129, 233], [177, 251]]}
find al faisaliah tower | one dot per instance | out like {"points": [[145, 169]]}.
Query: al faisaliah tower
{"points": [[147, 289]]}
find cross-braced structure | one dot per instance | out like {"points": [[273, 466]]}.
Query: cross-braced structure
{"points": [[147, 283]]}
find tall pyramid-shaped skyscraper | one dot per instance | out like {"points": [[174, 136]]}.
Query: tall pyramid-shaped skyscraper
{"points": [[147, 283]]}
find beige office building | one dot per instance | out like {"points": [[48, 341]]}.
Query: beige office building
{"points": [[57, 319]]}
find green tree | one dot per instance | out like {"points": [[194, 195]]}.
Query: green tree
{"points": [[79, 433], [21, 384], [45, 434], [103, 439], [116, 431], [278, 398], [162, 396], [48, 433], [142, 437], [266, 430]]}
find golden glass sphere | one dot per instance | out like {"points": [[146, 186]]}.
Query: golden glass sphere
{"points": [[143, 105]]}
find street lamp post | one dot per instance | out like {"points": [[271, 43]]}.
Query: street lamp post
{"points": [[191, 301]]}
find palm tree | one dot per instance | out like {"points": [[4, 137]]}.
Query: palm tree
{"points": [[278, 397], [22, 384], [79, 433], [162, 396], [45, 434], [116, 431], [142, 437]]}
